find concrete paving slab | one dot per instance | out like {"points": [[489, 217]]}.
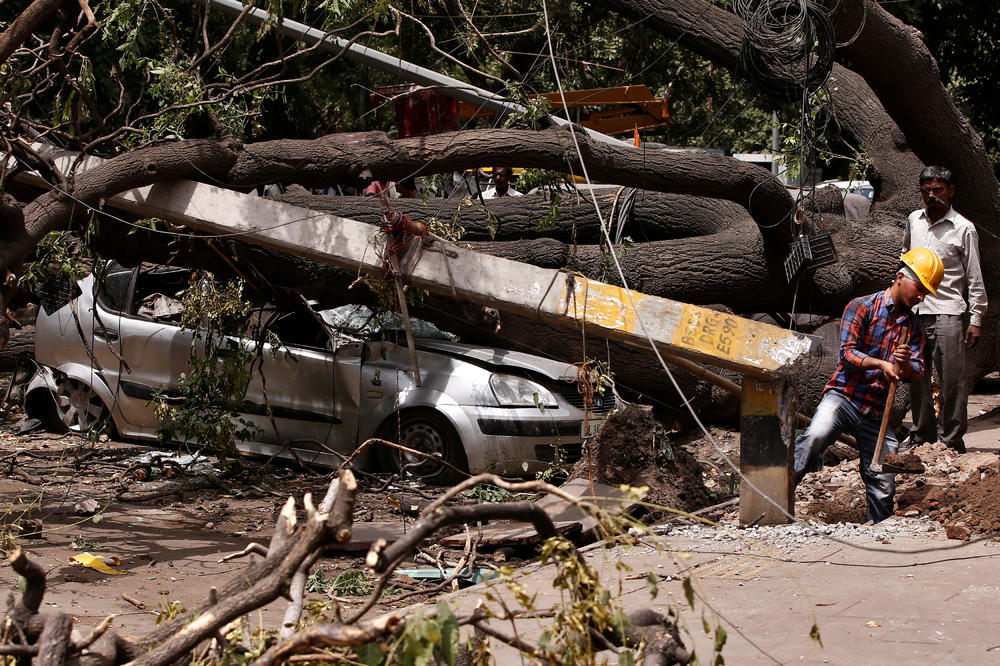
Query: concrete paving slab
{"points": [[870, 606]]}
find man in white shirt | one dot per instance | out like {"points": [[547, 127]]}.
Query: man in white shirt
{"points": [[952, 318], [501, 184]]}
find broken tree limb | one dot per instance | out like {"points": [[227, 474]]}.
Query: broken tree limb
{"points": [[381, 555], [655, 215], [330, 635], [297, 587], [258, 585]]}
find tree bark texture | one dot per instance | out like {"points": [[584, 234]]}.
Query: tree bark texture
{"points": [[322, 163], [888, 99], [25, 24], [719, 232], [652, 216]]}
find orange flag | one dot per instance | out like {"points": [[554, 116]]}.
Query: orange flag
{"points": [[636, 136]]}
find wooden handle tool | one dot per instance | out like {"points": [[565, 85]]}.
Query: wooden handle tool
{"points": [[876, 465]]}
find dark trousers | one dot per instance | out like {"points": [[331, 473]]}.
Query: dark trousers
{"points": [[944, 351]]}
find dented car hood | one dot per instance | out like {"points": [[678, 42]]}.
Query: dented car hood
{"points": [[500, 359]]}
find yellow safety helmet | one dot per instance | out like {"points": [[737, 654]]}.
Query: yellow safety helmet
{"points": [[927, 265]]}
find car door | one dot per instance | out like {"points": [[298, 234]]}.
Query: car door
{"points": [[154, 350], [292, 397]]}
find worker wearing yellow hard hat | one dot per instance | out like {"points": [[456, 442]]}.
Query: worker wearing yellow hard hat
{"points": [[881, 344], [927, 267]]}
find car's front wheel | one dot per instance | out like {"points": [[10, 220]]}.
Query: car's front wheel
{"points": [[76, 407], [429, 433]]}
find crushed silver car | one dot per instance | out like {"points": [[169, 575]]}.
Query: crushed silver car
{"points": [[106, 349]]}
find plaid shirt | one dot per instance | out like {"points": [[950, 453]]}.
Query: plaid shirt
{"points": [[865, 330]]}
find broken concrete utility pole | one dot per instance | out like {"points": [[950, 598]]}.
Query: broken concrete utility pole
{"points": [[769, 357]]}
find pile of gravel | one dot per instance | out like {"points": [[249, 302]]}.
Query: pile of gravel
{"points": [[797, 534]]}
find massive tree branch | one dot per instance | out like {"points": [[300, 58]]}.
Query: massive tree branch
{"points": [[322, 162], [26, 23], [197, 160], [716, 34], [651, 216], [913, 94]]}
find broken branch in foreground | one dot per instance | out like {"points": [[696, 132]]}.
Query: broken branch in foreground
{"points": [[45, 637]]}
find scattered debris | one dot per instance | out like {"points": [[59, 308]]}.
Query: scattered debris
{"points": [[26, 425], [157, 464], [569, 519], [87, 507], [903, 463], [28, 528], [135, 602], [959, 491], [472, 577]]}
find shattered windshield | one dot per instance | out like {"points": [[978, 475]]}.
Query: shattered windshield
{"points": [[361, 323]]}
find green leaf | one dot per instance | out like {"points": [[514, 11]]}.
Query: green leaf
{"points": [[448, 624], [544, 640], [371, 654], [720, 638], [688, 591], [814, 634], [706, 627], [652, 582], [719, 660], [625, 658]]}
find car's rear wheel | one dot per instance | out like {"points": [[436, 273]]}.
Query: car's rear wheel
{"points": [[430, 433], [76, 407]]}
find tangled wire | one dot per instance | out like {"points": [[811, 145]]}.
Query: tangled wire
{"points": [[788, 46]]}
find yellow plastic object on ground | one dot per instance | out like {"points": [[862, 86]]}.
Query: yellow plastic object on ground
{"points": [[98, 563]]}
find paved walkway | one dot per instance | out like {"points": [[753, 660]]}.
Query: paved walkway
{"points": [[937, 602], [870, 607]]}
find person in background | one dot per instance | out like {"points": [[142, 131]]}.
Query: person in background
{"points": [[951, 317], [407, 189], [501, 184]]}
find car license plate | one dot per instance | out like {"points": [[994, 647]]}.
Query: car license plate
{"points": [[590, 428]]}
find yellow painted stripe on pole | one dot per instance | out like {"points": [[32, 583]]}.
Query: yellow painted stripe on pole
{"points": [[711, 332], [601, 304]]}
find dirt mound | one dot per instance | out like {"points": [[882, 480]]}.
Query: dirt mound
{"points": [[634, 448], [962, 492], [966, 499]]}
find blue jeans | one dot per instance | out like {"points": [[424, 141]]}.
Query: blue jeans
{"points": [[834, 415]]}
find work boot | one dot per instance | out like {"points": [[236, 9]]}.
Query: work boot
{"points": [[958, 447]]}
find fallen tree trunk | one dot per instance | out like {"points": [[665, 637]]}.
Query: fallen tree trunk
{"points": [[650, 216]]}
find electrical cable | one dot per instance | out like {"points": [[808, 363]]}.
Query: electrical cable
{"points": [[788, 46], [801, 21], [655, 349]]}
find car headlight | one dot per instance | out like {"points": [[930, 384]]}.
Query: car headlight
{"points": [[513, 391]]}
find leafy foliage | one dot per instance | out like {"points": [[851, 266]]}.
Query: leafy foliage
{"points": [[59, 255], [484, 492], [424, 638], [219, 368], [963, 36], [589, 605]]}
